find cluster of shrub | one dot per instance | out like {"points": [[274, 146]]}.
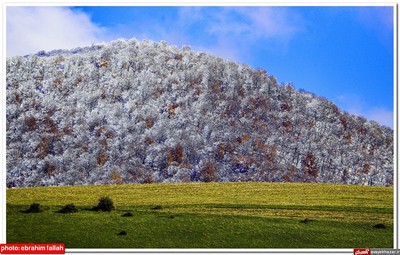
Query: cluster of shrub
{"points": [[105, 204]]}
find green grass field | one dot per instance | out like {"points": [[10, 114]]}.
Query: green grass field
{"points": [[206, 215]]}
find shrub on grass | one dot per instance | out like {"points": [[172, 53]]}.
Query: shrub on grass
{"points": [[306, 220], [380, 225], [122, 233], [34, 208], [128, 214], [157, 207], [105, 204], [69, 208]]}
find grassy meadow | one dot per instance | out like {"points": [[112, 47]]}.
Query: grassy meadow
{"points": [[206, 215]]}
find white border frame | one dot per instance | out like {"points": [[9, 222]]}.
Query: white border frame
{"points": [[197, 3]]}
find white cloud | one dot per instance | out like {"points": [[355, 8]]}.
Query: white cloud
{"points": [[382, 116], [354, 104], [232, 32], [32, 29], [270, 22], [253, 22]]}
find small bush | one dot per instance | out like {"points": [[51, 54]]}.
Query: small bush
{"points": [[34, 208], [128, 214], [380, 225], [157, 207], [69, 208], [306, 220], [105, 204], [122, 233]]}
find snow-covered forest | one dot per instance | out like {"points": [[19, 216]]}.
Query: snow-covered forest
{"points": [[139, 112]]}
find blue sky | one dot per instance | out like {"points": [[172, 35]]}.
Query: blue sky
{"points": [[344, 54]]}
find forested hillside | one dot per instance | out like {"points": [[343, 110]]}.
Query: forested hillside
{"points": [[139, 112]]}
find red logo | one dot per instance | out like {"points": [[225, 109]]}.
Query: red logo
{"points": [[365, 251], [32, 249]]}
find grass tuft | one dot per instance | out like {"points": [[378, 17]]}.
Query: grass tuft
{"points": [[122, 233], [69, 208], [34, 208], [157, 207], [128, 214], [306, 220], [380, 225]]}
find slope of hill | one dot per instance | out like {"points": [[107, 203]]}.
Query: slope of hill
{"points": [[141, 112]]}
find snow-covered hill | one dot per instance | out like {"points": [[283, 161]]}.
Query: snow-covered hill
{"points": [[140, 112]]}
